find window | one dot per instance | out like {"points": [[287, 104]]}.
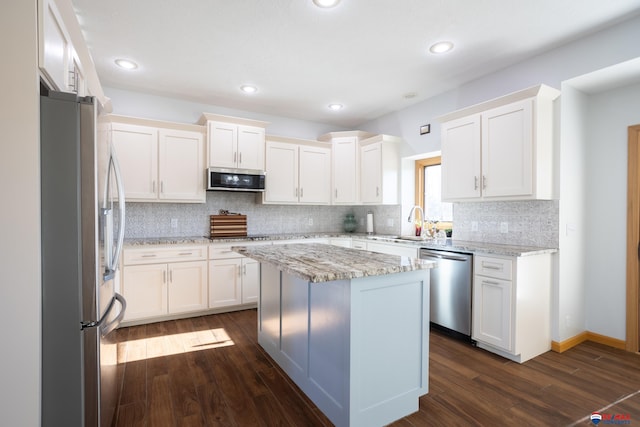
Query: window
{"points": [[428, 189]]}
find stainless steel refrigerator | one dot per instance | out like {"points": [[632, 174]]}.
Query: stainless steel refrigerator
{"points": [[82, 207]]}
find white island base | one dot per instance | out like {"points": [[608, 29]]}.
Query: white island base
{"points": [[359, 348]]}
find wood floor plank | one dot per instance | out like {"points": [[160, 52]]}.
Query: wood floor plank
{"points": [[210, 371]]}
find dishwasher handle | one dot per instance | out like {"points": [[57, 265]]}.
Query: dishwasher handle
{"points": [[447, 256]]}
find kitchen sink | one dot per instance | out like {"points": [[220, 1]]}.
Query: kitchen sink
{"points": [[414, 238]]}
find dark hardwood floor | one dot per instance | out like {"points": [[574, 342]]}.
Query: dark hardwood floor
{"points": [[210, 371]]}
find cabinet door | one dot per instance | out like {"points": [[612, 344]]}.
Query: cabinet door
{"points": [[345, 171], [492, 312], [181, 171], [223, 144], [225, 282], [251, 147], [507, 150], [282, 173], [314, 175], [461, 176], [371, 173], [187, 289], [54, 46], [145, 289], [137, 151], [250, 280]]}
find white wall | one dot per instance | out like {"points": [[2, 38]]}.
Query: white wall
{"points": [[609, 114], [570, 295], [136, 104], [20, 288]]}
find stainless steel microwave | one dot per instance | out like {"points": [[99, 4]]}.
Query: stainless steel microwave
{"points": [[235, 180]]}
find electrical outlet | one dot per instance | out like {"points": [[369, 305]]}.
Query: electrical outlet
{"points": [[310, 221], [174, 222], [474, 225], [504, 227]]}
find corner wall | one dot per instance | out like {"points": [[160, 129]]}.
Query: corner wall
{"points": [[20, 285]]}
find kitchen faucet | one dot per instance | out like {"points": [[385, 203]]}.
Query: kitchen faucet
{"points": [[411, 213], [418, 226]]}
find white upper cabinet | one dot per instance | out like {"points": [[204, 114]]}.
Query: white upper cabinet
{"points": [[297, 172], [63, 57], [234, 143], [136, 148], [160, 163], [346, 176], [55, 46], [181, 161], [379, 170], [501, 149], [345, 165], [461, 148]]}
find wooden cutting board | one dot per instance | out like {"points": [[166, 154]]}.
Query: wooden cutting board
{"points": [[228, 225]]}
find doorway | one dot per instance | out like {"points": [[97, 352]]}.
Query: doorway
{"points": [[633, 241]]}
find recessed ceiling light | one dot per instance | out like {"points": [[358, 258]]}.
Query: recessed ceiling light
{"points": [[248, 89], [441, 47], [335, 107], [326, 3], [126, 64]]}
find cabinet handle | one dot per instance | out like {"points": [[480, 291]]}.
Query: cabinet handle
{"points": [[153, 186], [484, 182], [164, 276], [296, 195], [475, 182], [491, 267], [235, 156], [73, 86], [244, 269], [149, 256], [336, 193], [162, 186], [239, 272], [240, 158], [301, 192], [187, 253], [171, 276], [377, 191], [490, 282]]}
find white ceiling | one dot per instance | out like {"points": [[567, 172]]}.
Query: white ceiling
{"points": [[365, 54]]}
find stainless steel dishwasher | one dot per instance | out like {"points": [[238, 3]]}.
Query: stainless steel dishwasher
{"points": [[451, 291]]}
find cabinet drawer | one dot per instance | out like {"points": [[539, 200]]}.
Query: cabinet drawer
{"points": [[154, 255], [224, 251], [499, 268]]}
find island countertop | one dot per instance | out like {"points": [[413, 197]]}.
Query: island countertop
{"points": [[317, 262]]}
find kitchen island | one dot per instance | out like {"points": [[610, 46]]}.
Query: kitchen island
{"points": [[349, 327]]}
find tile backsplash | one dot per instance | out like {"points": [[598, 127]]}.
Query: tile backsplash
{"points": [[145, 220], [529, 223]]}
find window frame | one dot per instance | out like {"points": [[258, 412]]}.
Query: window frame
{"points": [[420, 164]]}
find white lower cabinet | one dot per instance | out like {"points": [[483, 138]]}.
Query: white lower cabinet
{"points": [[512, 305], [164, 281], [233, 279]]}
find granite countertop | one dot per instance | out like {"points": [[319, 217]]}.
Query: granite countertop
{"points": [[467, 246], [317, 262], [440, 244]]}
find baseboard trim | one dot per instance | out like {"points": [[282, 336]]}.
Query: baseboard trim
{"points": [[560, 347]]}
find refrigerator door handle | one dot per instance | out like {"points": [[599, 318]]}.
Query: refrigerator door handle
{"points": [[114, 323], [121, 209], [106, 330]]}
